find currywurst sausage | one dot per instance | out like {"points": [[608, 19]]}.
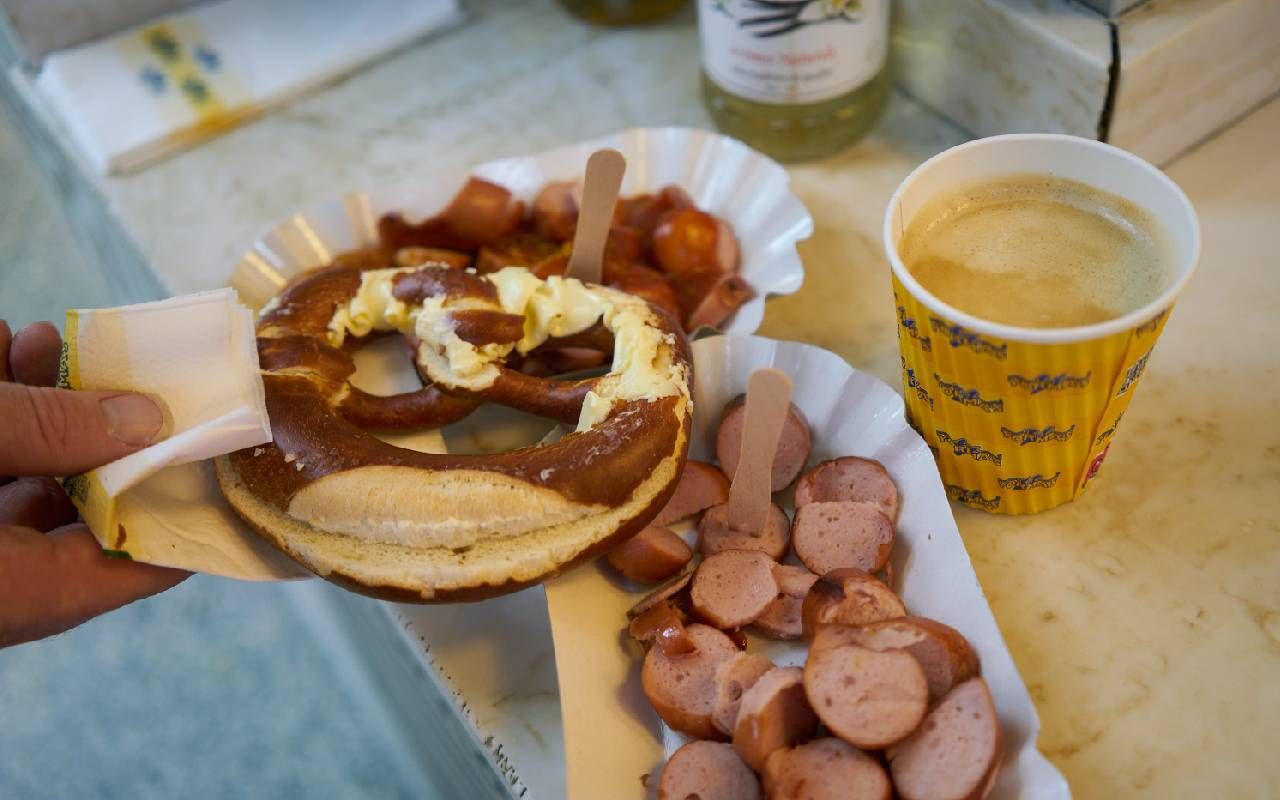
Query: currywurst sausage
{"points": [[773, 716], [849, 596], [707, 771], [832, 535], [732, 588], [654, 554], [825, 769], [832, 634], [682, 689], [674, 590], [869, 699], [715, 535], [942, 651], [794, 444], [734, 677], [701, 486], [783, 618], [955, 754], [662, 624], [849, 478]]}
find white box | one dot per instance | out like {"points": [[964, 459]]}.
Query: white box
{"points": [[1156, 80]]}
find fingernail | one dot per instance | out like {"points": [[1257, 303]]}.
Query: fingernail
{"points": [[133, 419]]}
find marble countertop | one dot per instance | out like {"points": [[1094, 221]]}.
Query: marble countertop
{"points": [[1145, 618]]}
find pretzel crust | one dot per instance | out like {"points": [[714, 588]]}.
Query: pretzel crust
{"points": [[398, 523]]}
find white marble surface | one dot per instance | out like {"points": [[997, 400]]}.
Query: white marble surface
{"points": [[1144, 617]]}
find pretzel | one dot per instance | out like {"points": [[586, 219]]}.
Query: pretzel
{"points": [[411, 526]]}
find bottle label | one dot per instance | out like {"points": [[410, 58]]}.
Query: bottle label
{"points": [[793, 51]]}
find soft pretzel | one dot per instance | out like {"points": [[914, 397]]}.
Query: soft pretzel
{"points": [[406, 525]]}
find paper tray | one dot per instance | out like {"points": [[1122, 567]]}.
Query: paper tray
{"points": [[496, 658], [722, 175]]}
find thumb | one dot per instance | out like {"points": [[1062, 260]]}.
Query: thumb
{"points": [[63, 432]]}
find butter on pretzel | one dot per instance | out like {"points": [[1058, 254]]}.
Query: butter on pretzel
{"points": [[401, 524]]}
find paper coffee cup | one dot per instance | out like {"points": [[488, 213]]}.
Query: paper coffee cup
{"points": [[1020, 419]]}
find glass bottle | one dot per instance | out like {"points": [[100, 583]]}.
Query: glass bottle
{"points": [[795, 79], [622, 12]]}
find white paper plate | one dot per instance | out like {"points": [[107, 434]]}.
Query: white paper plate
{"points": [[851, 413], [722, 175]]}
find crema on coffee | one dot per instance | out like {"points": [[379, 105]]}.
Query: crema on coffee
{"points": [[1038, 251]]}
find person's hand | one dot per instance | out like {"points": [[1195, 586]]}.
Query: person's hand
{"points": [[53, 574]]}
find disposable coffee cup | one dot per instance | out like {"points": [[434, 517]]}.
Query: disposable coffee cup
{"points": [[1021, 419]]}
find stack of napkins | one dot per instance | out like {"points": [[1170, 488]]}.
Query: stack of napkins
{"points": [[150, 91], [198, 355]]}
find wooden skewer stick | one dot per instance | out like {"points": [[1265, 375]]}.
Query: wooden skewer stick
{"points": [[768, 401], [599, 196]]}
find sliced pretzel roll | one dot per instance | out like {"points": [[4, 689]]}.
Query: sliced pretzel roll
{"points": [[413, 526]]}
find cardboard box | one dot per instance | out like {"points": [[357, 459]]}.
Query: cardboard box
{"points": [[1112, 8], [1156, 80]]}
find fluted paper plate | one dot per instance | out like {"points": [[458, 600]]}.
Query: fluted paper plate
{"points": [[722, 175], [610, 730]]}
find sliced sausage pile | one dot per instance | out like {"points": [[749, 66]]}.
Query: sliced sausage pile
{"points": [[886, 704]]}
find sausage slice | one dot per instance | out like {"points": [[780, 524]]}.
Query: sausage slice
{"points": [[869, 699], [701, 486], [732, 588], [773, 716], [849, 478], [654, 554], [734, 677], [715, 535], [483, 212], [720, 302], [794, 444], [682, 689], [825, 769], [956, 752], [644, 211], [944, 654], [833, 535], [690, 243], [663, 625], [851, 597], [674, 590], [555, 210], [828, 635], [782, 619], [707, 771]]}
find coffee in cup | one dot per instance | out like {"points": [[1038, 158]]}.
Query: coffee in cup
{"points": [[1032, 276], [1038, 251]]}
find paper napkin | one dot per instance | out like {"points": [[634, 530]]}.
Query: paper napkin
{"points": [[145, 93], [198, 355]]}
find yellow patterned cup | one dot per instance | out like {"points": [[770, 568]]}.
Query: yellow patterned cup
{"points": [[1020, 419]]}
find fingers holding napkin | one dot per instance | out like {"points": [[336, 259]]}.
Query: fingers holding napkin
{"points": [[197, 356]]}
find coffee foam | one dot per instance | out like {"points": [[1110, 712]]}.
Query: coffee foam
{"points": [[1038, 251]]}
